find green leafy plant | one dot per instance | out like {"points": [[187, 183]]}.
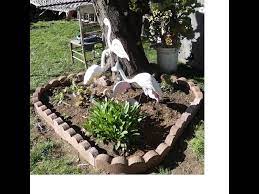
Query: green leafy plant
{"points": [[79, 91], [170, 22], [139, 6], [166, 84], [58, 97], [116, 122], [76, 89], [197, 143], [81, 101], [65, 116]]}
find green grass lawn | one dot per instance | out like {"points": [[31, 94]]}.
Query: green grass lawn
{"points": [[49, 50], [197, 143], [50, 58]]}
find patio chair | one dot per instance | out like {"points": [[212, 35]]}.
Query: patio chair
{"points": [[86, 41]]}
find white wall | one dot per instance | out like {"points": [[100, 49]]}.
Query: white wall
{"points": [[196, 45]]}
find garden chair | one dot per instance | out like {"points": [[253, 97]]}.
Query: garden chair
{"points": [[87, 41]]}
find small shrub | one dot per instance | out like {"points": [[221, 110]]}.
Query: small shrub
{"points": [[76, 89], [116, 122], [166, 84], [58, 97], [197, 143], [82, 93]]}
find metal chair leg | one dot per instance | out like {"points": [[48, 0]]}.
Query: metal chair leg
{"points": [[85, 59], [94, 53], [71, 49]]}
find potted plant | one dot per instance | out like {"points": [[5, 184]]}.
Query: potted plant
{"points": [[169, 23]]}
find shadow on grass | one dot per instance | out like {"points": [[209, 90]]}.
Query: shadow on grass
{"points": [[188, 72], [177, 155], [183, 70]]}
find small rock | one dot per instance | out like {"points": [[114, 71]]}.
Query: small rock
{"points": [[41, 127], [93, 85], [107, 93], [132, 101], [102, 81]]}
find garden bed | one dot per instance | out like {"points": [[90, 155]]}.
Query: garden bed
{"points": [[163, 124]]}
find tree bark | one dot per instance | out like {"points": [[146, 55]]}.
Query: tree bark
{"points": [[126, 26]]}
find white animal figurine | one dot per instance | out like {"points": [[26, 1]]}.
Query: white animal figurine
{"points": [[115, 45], [95, 71], [146, 81]]}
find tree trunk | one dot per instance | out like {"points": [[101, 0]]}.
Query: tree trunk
{"points": [[126, 26]]}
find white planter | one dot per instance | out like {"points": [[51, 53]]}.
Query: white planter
{"points": [[167, 59]]}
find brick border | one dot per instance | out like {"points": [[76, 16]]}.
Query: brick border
{"points": [[119, 164]]}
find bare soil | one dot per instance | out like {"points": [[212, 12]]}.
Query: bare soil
{"points": [[159, 117]]}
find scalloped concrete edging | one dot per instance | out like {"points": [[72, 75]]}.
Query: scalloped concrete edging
{"points": [[119, 164]]}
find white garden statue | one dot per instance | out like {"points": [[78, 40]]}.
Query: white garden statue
{"points": [[115, 46], [95, 71], [146, 81]]}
